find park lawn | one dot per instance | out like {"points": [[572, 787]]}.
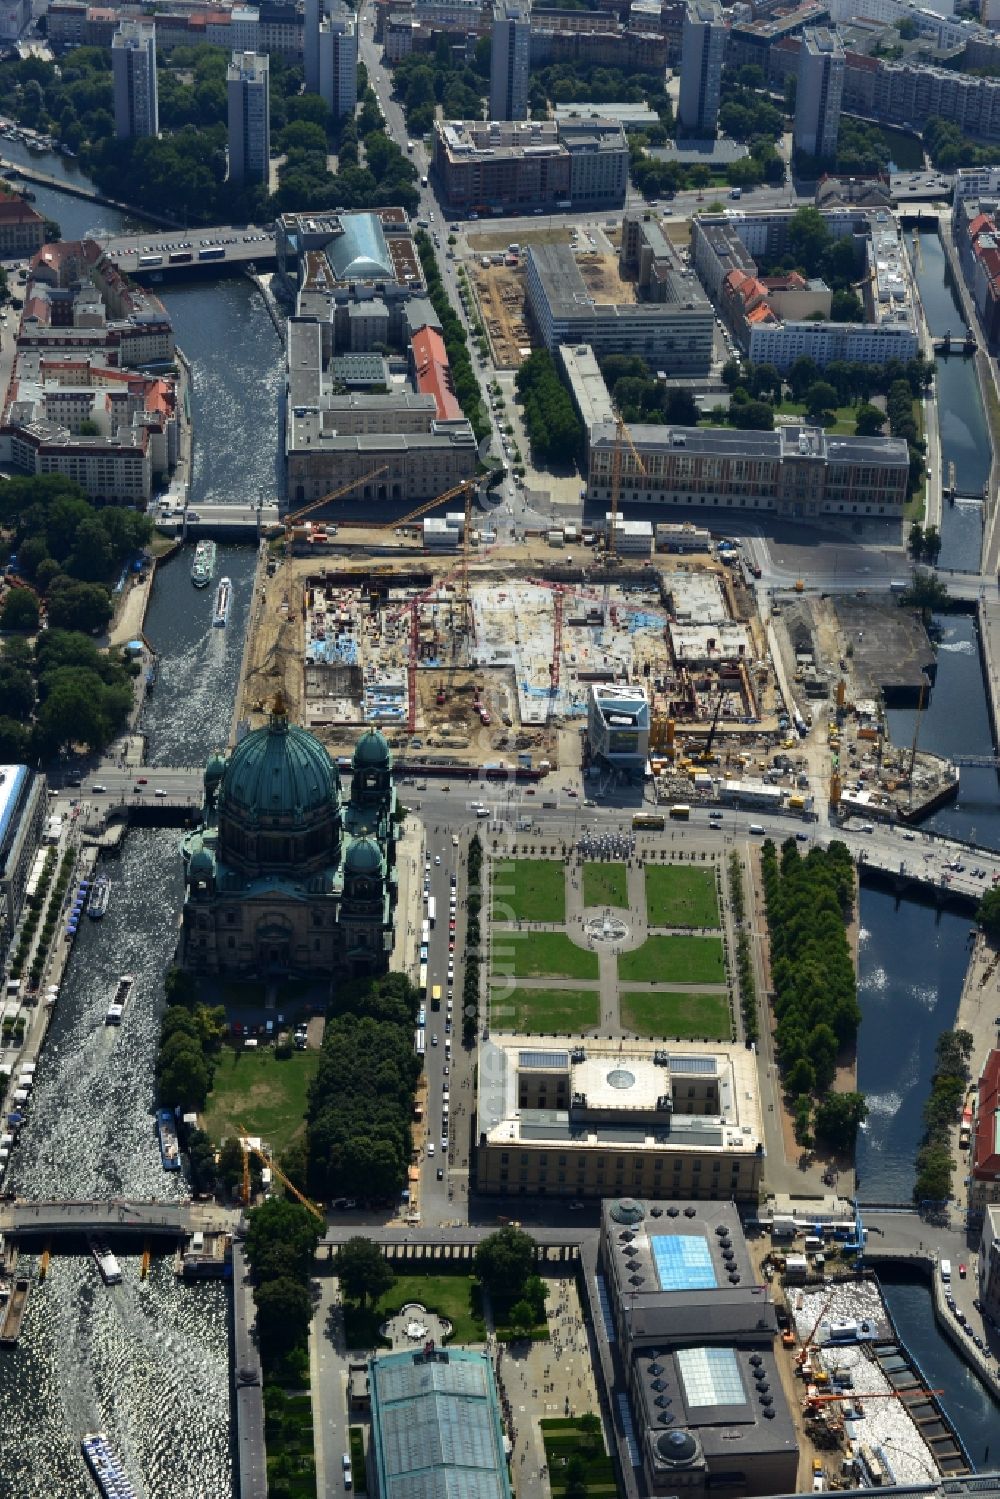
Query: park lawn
{"points": [[449, 1295], [529, 890], [541, 955], [253, 1090], [686, 1016], [843, 419], [674, 960], [678, 896], [552, 1011], [605, 885], [564, 1438]]}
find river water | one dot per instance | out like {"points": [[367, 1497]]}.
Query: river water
{"points": [[148, 1360]]}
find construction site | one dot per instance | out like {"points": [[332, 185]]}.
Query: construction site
{"points": [[499, 292]]}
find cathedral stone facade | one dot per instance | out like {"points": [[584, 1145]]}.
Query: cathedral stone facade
{"points": [[284, 877]]}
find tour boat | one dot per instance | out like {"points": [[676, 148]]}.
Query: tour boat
{"points": [[116, 1008], [223, 599]]}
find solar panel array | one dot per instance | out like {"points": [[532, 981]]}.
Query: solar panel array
{"points": [[711, 1376]]}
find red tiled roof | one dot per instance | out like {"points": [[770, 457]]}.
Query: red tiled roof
{"points": [[14, 210], [430, 360], [986, 1157], [981, 221]]}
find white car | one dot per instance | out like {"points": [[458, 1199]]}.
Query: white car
{"points": [[430, 1147]]}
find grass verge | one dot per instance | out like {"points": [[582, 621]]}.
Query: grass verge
{"points": [[541, 955], [574, 1449], [450, 1296], [529, 890], [288, 1437], [674, 960], [605, 885], [553, 1011], [358, 1464], [687, 1016], [676, 896]]}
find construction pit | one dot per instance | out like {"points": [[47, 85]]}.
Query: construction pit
{"points": [[500, 293], [394, 644], [846, 661]]}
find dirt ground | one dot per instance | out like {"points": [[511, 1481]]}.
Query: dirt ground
{"points": [[500, 294], [557, 235]]}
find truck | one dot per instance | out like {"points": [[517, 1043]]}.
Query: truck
{"points": [[409, 148], [945, 1270], [214, 252]]}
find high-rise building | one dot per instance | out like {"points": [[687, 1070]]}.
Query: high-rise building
{"points": [[510, 60], [819, 93], [310, 44], [248, 85], [338, 61], [703, 51], [133, 71]]}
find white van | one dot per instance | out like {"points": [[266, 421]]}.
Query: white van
{"points": [[757, 828], [945, 1268]]}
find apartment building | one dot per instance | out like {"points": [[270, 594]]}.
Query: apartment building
{"points": [[249, 101], [510, 59], [703, 52], [498, 166], [133, 71], [819, 93]]}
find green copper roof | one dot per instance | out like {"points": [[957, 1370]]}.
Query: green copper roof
{"points": [[372, 752], [280, 771], [364, 857]]}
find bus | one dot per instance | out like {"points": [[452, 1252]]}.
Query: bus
{"points": [[420, 1042], [436, 997], [432, 911], [655, 821], [425, 932], [422, 983], [680, 811]]}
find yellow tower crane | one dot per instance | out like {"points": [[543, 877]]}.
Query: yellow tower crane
{"points": [[248, 1149], [622, 436]]}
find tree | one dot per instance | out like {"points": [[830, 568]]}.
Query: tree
{"points": [[80, 606], [845, 307], [869, 421], [230, 1167], [20, 611], [755, 416], [179, 986], [504, 1260], [838, 1119], [522, 1317], [184, 1077], [14, 741], [284, 1312], [281, 1239], [988, 914], [926, 592], [820, 398], [363, 1270]]}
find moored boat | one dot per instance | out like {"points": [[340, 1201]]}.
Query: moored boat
{"points": [[116, 1008], [100, 895], [223, 598], [13, 1312], [166, 1130]]}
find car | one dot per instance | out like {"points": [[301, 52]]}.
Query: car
{"points": [[454, 881], [444, 1142], [589, 802], [430, 1147], [451, 995], [437, 858], [978, 1304], [100, 790], [159, 791], [434, 1039], [141, 780], [576, 1207], [446, 1069], [802, 837], [440, 1173], [961, 1271], [348, 1476]]}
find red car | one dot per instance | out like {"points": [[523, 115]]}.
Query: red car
{"points": [[961, 1272]]}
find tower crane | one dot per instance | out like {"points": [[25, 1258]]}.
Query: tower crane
{"points": [[324, 499], [803, 1354], [812, 1401], [622, 436], [706, 759], [249, 1149]]}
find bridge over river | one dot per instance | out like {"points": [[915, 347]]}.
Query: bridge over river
{"points": [[126, 1222]]}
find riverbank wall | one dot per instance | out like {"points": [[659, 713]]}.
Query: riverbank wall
{"points": [[17, 169], [926, 1265]]}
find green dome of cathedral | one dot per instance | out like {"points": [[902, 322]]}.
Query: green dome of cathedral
{"points": [[372, 752], [281, 771], [364, 857]]}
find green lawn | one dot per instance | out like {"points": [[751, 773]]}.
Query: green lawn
{"points": [[674, 960], [449, 1295], [252, 1089], [605, 885], [358, 1462], [529, 890], [693, 1016], [678, 896], [842, 419], [541, 955], [565, 1439], [548, 1010]]}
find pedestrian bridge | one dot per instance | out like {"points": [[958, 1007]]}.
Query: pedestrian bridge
{"points": [[126, 1222]]}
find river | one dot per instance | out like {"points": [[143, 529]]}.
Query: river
{"points": [[147, 1361]]}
